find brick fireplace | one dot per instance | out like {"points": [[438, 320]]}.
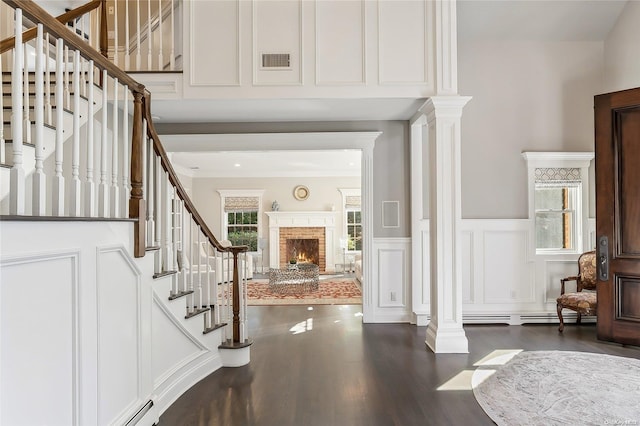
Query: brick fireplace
{"points": [[304, 227], [308, 243]]}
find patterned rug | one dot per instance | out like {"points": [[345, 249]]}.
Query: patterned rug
{"points": [[560, 388], [332, 291]]}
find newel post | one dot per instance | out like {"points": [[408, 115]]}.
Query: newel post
{"points": [[104, 40], [137, 207], [236, 295]]}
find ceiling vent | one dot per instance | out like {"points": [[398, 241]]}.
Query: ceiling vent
{"points": [[276, 60]]}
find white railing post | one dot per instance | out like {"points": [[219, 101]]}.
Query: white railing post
{"points": [[172, 58], [47, 75], [126, 144], [160, 37], [115, 190], [127, 56], [103, 188], [39, 202], [26, 120], [75, 205], [149, 39], [17, 175], [58, 179], [90, 186], [139, 48]]}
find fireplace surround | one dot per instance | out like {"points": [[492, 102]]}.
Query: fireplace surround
{"points": [[310, 225]]}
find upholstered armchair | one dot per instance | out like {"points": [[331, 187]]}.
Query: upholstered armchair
{"points": [[582, 302]]}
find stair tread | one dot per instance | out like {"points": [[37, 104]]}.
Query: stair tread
{"points": [[198, 311], [164, 274], [152, 248], [214, 328], [229, 344], [180, 294]]}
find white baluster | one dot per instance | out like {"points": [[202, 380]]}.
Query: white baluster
{"points": [[115, 33], [67, 91], [82, 76], [3, 147], [58, 179], [172, 57], [194, 263], [126, 144], [149, 39], [26, 121], [47, 86], [127, 56], [115, 190], [217, 300], [90, 186], [243, 301], [157, 199], [160, 37], [197, 296], [139, 49], [103, 188], [17, 175], [75, 205], [39, 179], [229, 297], [151, 193]]}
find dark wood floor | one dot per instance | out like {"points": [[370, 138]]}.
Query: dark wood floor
{"points": [[324, 367]]}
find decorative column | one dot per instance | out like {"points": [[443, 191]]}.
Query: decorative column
{"points": [[444, 332]]}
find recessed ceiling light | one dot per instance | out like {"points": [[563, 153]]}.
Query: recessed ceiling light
{"points": [[195, 168], [236, 165], [352, 164]]}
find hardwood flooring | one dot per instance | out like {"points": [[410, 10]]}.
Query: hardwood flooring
{"points": [[323, 367]]}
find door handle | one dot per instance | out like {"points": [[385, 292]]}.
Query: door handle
{"points": [[603, 258]]}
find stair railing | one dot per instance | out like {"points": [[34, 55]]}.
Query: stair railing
{"points": [[107, 177]]}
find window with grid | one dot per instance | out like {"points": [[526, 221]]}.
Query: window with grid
{"points": [[354, 229], [557, 208], [242, 216]]}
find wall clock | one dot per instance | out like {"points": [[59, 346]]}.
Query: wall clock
{"points": [[301, 192]]}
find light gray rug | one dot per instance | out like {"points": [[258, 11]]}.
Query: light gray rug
{"points": [[560, 388]]}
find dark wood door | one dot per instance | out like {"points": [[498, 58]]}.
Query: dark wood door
{"points": [[617, 121]]}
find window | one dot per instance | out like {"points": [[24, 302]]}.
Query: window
{"points": [[352, 218], [354, 230], [242, 228], [556, 208], [558, 191], [241, 211]]}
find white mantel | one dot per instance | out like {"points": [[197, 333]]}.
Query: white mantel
{"points": [[302, 219]]}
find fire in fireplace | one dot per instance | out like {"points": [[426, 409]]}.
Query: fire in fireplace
{"points": [[304, 250]]}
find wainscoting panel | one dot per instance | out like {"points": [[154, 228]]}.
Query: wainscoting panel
{"points": [[391, 279], [277, 28], [215, 29], [340, 42], [119, 284], [468, 268], [553, 272], [39, 293], [403, 49], [508, 276]]}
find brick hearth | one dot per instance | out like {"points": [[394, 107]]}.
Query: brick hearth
{"points": [[303, 233]]}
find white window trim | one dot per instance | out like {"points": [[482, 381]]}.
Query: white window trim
{"points": [[224, 193], [349, 192], [579, 160]]}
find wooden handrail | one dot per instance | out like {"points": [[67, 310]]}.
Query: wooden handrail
{"points": [[173, 178], [30, 34], [35, 13]]}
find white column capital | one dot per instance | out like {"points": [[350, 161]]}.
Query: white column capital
{"points": [[444, 107]]}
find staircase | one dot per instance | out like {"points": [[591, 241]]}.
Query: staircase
{"points": [[132, 298]]}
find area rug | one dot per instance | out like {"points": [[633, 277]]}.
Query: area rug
{"points": [[560, 388], [334, 291]]}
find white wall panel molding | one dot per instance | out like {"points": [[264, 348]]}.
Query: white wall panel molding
{"points": [[274, 39], [332, 19], [53, 322], [446, 47], [404, 37], [215, 43], [553, 270], [468, 267], [119, 283], [392, 280]]}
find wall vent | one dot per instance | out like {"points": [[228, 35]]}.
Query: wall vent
{"points": [[276, 60]]}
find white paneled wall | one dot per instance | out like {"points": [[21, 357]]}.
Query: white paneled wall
{"points": [[342, 49], [391, 280], [503, 281]]}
